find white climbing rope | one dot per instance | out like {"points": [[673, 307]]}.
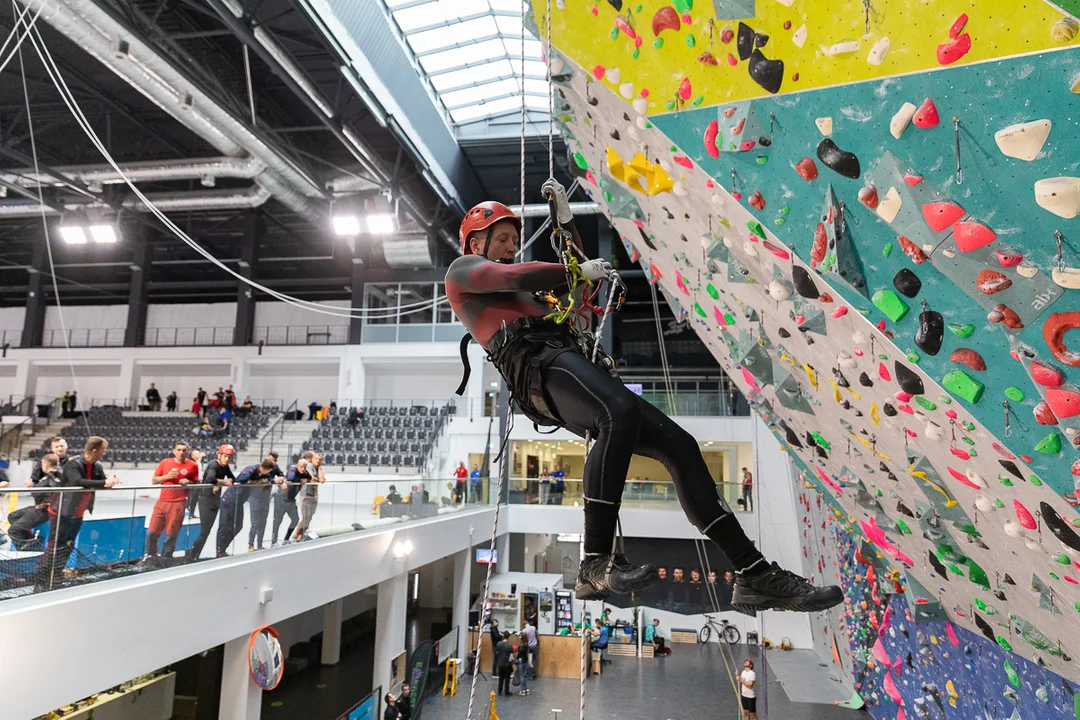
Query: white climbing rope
{"points": [[521, 206], [551, 93], [663, 351]]}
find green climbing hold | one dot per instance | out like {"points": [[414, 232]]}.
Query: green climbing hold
{"points": [[699, 310], [636, 54], [968, 425], [669, 105], [779, 221], [580, 161], [955, 570], [981, 605], [1062, 559], [964, 331], [1014, 393], [1077, 606], [891, 304], [902, 526], [673, 148], [962, 385], [887, 250], [945, 399], [648, 126], [977, 575], [762, 159], [614, 34], [1049, 445], [1005, 480], [683, 6], [913, 357], [729, 319], [926, 404], [607, 196], [966, 440], [998, 503], [820, 440], [784, 211], [697, 101], [1053, 576], [1014, 678], [755, 227], [712, 291], [658, 43], [690, 40], [1034, 480]]}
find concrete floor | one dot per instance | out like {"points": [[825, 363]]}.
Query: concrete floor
{"points": [[690, 684]]}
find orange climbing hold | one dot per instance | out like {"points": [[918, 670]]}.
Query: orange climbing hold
{"points": [[1064, 403], [940, 215], [971, 235], [1054, 330]]}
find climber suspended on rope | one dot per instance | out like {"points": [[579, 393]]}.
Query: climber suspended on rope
{"points": [[516, 312]]}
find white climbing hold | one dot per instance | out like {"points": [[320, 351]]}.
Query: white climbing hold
{"points": [[889, 205], [858, 338], [778, 291], [948, 253], [879, 51], [1059, 195], [679, 189], [728, 242], [612, 75], [845, 360], [641, 122], [1023, 141], [632, 132], [842, 48], [718, 202], [1027, 270], [1013, 530], [749, 249], [786, 3], [902, 119], [1067, 277], [933, 431], [627, 90], [706, 241], [557, 63], [641, 105], [824, 125], [1032, 543], [976, 479], [799, 37], [984, 503]]}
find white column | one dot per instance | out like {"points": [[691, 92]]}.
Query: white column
{"points": [[127, 384], [331, 632], [502, 552], [389, 627], [462, 578], [241, 698]]}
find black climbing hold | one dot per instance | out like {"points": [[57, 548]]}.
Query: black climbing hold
{"points": [[1000, 595], [744, 42], [792, 437], [645, 239], [837, 160], [909, 381], [669, 215], [821, 453], [626, 117], [984, 627], [804, 284], [803, 329], [1059, 527], [930, 333], [764, 141], [892, 477], [769, 74], [889, 410], [1008, 579], [809, 340], [592, 101], [1011, 467], [683, 238], [840, 379], [846, 405], [904, 509], [907, 283], [865, 380], [617, 4], [810, 439], [760, 40], [614, 134], [782, 332], [936, 564]]}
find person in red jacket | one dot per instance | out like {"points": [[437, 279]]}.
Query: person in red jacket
{"points": [[168, 513], [462, 474]]}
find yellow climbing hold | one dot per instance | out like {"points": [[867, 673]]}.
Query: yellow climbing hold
{"points": [[639, 174], [949, 501], [875, 415], [951, 689], [811, 375]]}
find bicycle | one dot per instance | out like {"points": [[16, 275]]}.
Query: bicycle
{"points": [[724, 630]]}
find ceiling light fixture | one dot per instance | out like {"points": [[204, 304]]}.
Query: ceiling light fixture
{"points": [[346, 225], [73, 234], [103, 234]]}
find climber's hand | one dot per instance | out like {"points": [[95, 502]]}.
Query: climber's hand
{"points": [[594, 270], [553, 190]]}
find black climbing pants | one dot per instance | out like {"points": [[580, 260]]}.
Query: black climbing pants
{"points": [[621, 423], [232, 522], [209, 504], [23, 522]]}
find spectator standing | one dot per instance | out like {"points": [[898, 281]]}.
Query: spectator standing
{"points": [[230, 398], [726, 589], [201, 398], [171, 401], [545, 488], [24, 521], [404, 703], [65, 399], [747, 490], [153, 398], [66, 513], [285, 494], [496, 637], [504, 653], [219, 475], [309, 496], [522, 653], [474, 481], [73, 400], [558, 485], [219, 396], [462, 474], [747, 680], [313, 410], [527, 638], [233, 499], [391, 712], [196, 406], [259, 504], [168, 513]]}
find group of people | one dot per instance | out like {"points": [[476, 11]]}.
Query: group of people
{"points": [[691, 592], [398, 707], [466, 484], [68, 401], [513, 663]]}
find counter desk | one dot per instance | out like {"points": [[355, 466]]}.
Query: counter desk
{"points": [[557, 656]]}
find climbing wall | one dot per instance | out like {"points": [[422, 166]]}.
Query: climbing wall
{"points": [[867, 212]]}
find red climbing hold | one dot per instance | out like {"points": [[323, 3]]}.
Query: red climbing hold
{"points": [[881, 326], [1024, 516], [687, 20], [731, 60], [904, 407], [883, 372], [1002, 451], [971, 235], [950, 52], [1054, 330], [756, 200], [912, 180], [969, 357], [1008, 259], [902, 396], [1064, 403], [665, 19], [1075, 470], [825, 298], [727, 35], [1004, 313], [963, 479], [912, 250], [820, 246], [655, 272], [839, 312], [927, 115], [991, 281], [685, 89], [807, 169], [747, 145], [962, 454], [868, 196], [1044, 415], [684, 161], [711, 132], [777, 251], [1045, 375], [958, 26], [940, 215], [951, 414], [706, 58], [598, 72]]}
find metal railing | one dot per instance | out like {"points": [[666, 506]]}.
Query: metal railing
{"points": [[302, 335], [659, 494], [188, 336], [10, 338], [84, 337], [266, 444]]}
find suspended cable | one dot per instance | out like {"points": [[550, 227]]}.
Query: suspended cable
{"points": [[521, 186]]}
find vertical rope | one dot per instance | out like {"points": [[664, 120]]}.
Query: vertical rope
{"points": [[521, 200], [551, 97], [484, 598], [581, 709]]}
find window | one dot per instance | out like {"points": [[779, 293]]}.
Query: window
{"points": [[382, 299]]}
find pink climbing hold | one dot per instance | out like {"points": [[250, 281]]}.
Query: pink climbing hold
{"points": [[951, 633], [683, 161], [750, 380], [927, 115], [958, 26], [1064, 403], [719, 317], [1008, 259], [940, 215], [655, 272], [1027, 458], [890, 689], [858, 350], [905, 408], [912, 180], [971, 235], [951, 414], [1002, 451], [960, 453], [685, 89], [950, 52], [1045, 375], [747, 145], [839, 312], [598, 72], [777, 251], [731, 60], [711, 131], [880, 325], [710, 184], [883, 372], [962, 479], [900, 712], [903, 396], [681, 283], [910, 432], [591, 178], [879, 653], [1024, 517]]}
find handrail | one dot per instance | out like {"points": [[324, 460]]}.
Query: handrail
{"points": [[272, 430], [195, 486]]}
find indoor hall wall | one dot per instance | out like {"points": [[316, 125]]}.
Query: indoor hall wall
{"points": [[181, 315], [111, 317], [287, 381], [306, 625], [271, 313], [184, 378], [11, 324], [48, 381], [437, 584], [11, 385], [432, 381]]}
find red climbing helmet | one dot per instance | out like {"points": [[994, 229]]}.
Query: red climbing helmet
{"points": [[482, 217], [226, 450]]}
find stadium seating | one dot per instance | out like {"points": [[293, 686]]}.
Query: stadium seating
{"points": [[400, 437]]}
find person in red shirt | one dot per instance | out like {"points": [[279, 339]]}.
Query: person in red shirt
{"points": [[168, 514], [462, 474]]}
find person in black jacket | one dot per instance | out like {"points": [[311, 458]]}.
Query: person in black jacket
{"points": [[504, 653], [153, 398], [404, 703], [66, 510], [390, 712], [496, 636], [25, 520], [285, 494], [219, 474]]}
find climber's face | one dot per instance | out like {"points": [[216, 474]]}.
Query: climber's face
{"points": [[500, 246]]}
